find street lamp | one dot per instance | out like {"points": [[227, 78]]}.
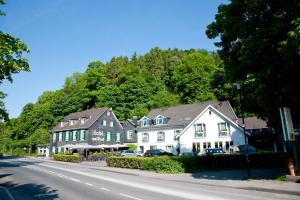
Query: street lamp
{"points": [[238, 87]]}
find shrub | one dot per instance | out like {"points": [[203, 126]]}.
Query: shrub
{"points": [[66, 158], [177, 164]]}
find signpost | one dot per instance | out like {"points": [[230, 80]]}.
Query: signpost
{"points": [[288, 133]]}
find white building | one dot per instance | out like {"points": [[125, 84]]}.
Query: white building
{"points": [[190, 128]]}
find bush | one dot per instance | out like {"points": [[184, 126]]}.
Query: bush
{"points": [[66, 158], [177, 164]]}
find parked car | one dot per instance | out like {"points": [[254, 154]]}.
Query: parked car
{"points": [[128, 153], [242, 149], [157, 152], [214, 151], [139, 154]]}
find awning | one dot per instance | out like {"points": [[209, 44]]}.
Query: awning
{"points": [[88, 146]]}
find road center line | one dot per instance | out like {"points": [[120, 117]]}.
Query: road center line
{"points": [[129, 196], [89, 184], [105, 189]]}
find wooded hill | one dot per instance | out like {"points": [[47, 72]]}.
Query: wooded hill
{"points": [[131, 86]]}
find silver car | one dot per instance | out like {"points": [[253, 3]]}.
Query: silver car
{"points": [[128, 153]]}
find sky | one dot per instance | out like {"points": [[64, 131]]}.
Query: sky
{"points": [[64, 36]]}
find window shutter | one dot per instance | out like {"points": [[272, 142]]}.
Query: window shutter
{"points": [[105, 137], [77, 135], [84, 135]]}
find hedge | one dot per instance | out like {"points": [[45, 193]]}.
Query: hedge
{"points": [[67, 158], [178, 164]]}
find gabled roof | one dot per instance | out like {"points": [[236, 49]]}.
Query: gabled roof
{"points": [[231, 121], [91, 116], [182, 115], [254, 123]]}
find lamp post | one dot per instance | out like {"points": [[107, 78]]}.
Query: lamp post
{"points": [[238, 87]]}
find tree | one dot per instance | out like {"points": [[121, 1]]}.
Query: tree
{"points": [[11, 60], [259, 45]]}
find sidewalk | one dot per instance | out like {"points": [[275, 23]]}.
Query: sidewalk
{"points": [[263, 179]]}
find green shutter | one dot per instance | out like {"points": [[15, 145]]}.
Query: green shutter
{"points": [[105, 137], [71, 135], [78, 135]]}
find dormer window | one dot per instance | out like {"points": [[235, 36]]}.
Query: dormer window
{"points": [[160, 120], [61, 124], [71, 122], [145, 121], [83, 120]]}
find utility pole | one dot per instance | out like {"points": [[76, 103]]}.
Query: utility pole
{"points": [[238, 87]]}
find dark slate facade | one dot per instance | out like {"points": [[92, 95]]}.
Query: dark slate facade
{"points": [[130, 132], [89, 130]]}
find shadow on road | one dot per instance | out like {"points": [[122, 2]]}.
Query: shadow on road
{"points": [[13, 162], [25, 191]]}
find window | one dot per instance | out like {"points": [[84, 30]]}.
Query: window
{"points": [[67, 136], [78, 135], [108, 113], [160, 120], [130, 135], [60, 136], [54, 137], [160, 137], [74, 135], [153, 147], [169, 148], [64, 136], [196, 147], [219, 145], [176, 132], [206, 145], [111, 124], [82, 135], [200, 131], [118, 137], [145, 137], [223, 129], [145, 121], [108, 136], [103, 122]]}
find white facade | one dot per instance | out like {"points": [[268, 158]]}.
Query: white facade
{"points": [[156, 141], [43, 150], [210, 129], [213, 136]]}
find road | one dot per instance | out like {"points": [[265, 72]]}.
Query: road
{"points": [[23, 178]]}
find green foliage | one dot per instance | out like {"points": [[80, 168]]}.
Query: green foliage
{"points": [[66, 158], [259, 46], [131, 146], [125, 162]]}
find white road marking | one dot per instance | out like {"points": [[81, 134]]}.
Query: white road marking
{"points": [[9, 194], [89, 184], [105, 189], [130, 197]]}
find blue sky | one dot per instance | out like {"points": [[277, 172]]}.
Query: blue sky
{"points": [[65, 35]]}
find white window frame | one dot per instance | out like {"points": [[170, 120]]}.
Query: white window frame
{"points": [[54, 137], [60, 136], [118, 137], [145, 137], [82, 135], [67, 136], [160, 136], [160, 120], [108, 137], [200, 130], [145, 121], [103, 122], [130, 134], [111, 124], [223, 130], [74, 135]]}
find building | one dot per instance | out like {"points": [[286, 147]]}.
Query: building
{"points": [[88, 131], [190, 128], [43, 150]]}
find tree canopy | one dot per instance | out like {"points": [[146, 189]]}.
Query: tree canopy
{"points": [[259, 45]]}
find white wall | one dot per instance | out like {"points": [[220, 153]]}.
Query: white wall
{"points": [[169, 140], [211, 119]]}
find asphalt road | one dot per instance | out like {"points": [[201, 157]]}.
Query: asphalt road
{"points": [[23, 179]]}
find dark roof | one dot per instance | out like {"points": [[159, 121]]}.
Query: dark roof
{"points": [[184, 114], [254, 123], [90, 117]]}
